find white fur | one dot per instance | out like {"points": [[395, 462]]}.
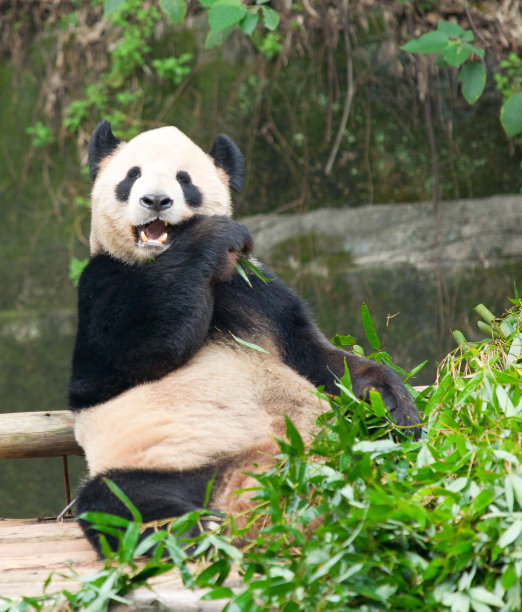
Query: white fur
{"points": [[224, 402], [160, 154]]}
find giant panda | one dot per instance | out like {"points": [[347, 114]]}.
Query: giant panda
{"points": [[165, 393]]}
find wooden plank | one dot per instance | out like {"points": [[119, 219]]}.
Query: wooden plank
{"points": [[30, 551], [37, 434]]}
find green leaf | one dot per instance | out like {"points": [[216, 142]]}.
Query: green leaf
{"points": [[111, 6], [453, 30], [76, 267], [100, 518], [516, 482], [369, 329], [511, 115], [509, 577], [250, 345], [130, 540], [379, 407], [241, 271], [483, 596], [124, 499], [270, 18], [217, 37], [339, 340], [510, 534], [415, 370], [225, 14], [294, 437], [218, 593], [455, 54], [473, 78], [375, 446], [175, 10], [459, 602], [459, 337], [249, 23], [248, 266], [485, 313], [431, 42], [482, 501]]}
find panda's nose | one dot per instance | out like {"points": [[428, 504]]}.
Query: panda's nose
{"points": [[156, 202]]}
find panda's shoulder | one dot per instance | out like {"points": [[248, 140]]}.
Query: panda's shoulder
{"points": [[100, 270]]}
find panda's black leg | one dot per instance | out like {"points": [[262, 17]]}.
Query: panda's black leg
{"points": [[156, 494]]}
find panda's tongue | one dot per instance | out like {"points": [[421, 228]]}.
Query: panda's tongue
{"points": [[154, 230]]}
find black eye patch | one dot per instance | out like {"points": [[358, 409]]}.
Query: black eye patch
{"points": [[191, 193], [123, 188]]}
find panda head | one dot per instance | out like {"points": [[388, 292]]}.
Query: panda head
{"points": [[145, 187]]}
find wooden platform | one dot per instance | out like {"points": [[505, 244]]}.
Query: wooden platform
{"points": [[31, 550]]}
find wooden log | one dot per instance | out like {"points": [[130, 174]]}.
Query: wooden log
{"points": [[37, 434]]}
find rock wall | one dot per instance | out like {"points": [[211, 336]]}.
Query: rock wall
{"points": [[465, 233]]}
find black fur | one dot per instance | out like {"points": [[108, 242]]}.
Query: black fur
{"points": [[137, 323], [191, 193], [123, 188], [102, 143], [227, 156], [156, 494]]}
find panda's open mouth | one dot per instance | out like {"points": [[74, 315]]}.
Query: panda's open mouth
{"points": [[157, 233]]}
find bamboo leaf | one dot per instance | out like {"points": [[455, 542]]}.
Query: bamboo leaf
{"points": [[369, 329], [511, 534], [250, 345]]}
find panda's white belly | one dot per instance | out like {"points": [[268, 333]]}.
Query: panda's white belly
{"points": [[189, 419]]}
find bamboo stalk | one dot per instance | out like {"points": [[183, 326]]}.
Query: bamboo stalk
{"points": [[37, 434]]}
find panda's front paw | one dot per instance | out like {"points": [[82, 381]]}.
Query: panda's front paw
{"points": [[231, 241], [215, 243], [399, 402]]}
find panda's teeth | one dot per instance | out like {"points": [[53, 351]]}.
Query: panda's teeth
{"points": [[143, 236], [163, 237]]}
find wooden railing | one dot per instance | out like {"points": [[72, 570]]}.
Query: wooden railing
{"points": [[37, 434], [25, 435]]}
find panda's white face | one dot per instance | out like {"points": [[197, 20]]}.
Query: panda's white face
{"points": [[146, 186]]}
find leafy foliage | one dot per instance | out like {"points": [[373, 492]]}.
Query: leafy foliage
{"points": [[453, 47], [76, 267], [365, 518], [224, 16]]}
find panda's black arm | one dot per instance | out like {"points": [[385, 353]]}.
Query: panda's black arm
{"points": [[138, 322], [135, 323], [302, 345]]}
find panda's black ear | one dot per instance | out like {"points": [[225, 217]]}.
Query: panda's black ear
{"points": [[226, 155], [102, 143]]}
